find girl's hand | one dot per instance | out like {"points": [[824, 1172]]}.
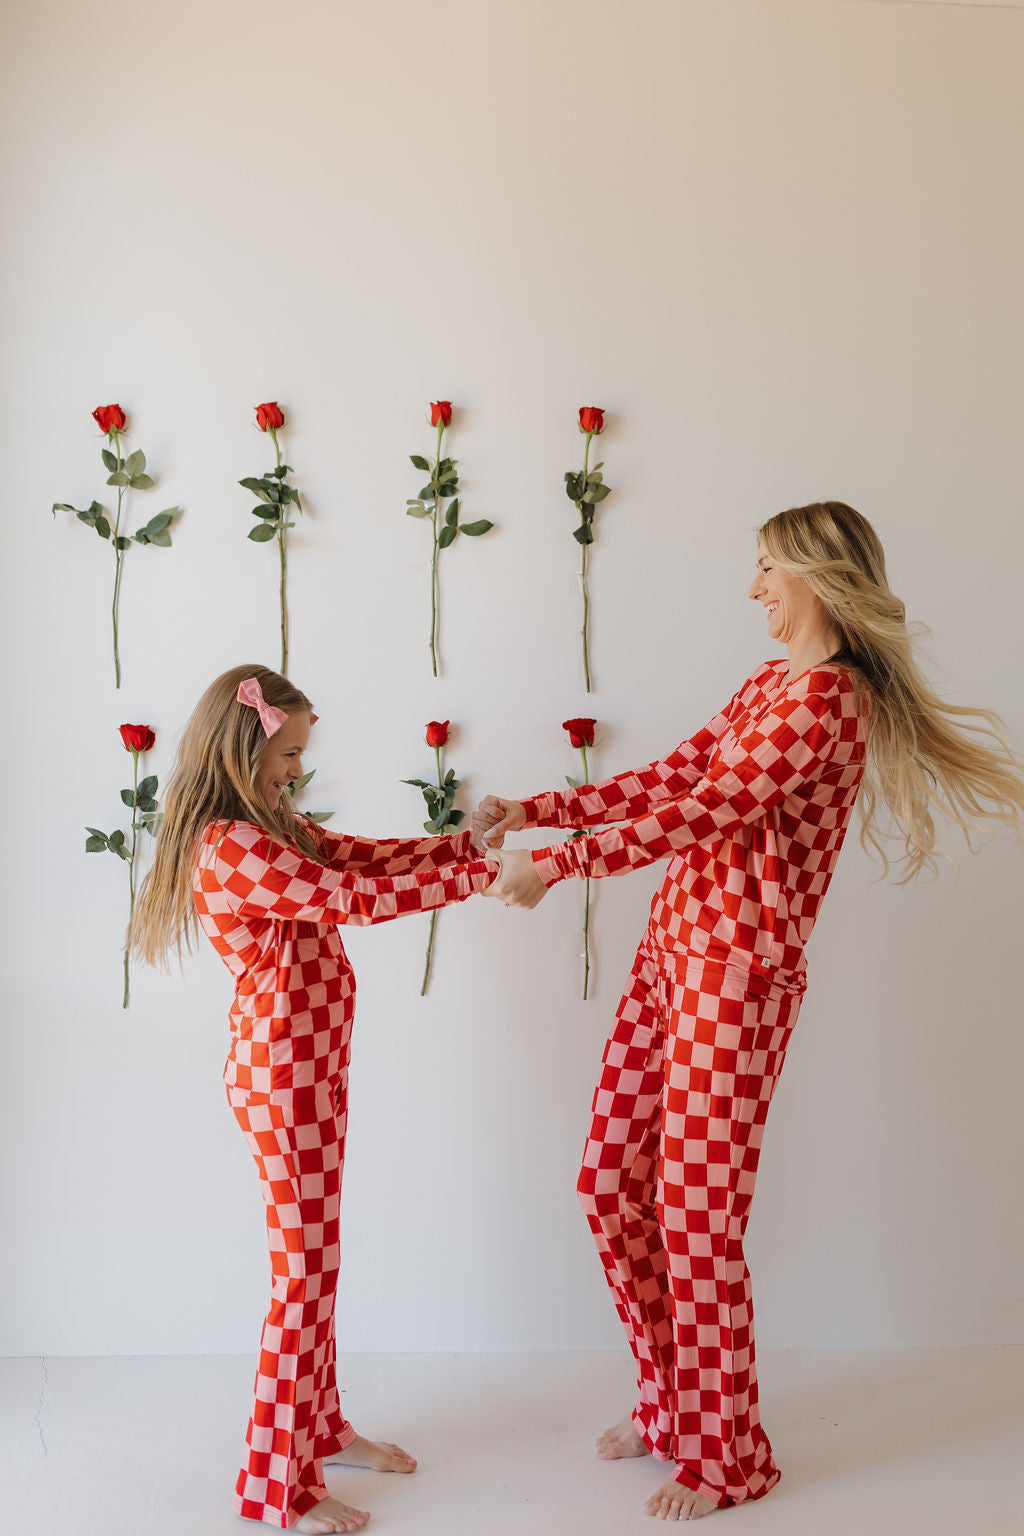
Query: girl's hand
{"points": [[493, 818]]}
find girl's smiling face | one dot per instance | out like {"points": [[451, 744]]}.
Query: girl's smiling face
{"points": [[281, 762]]}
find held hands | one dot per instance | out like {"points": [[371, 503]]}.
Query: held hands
{"points": [[492, 819], [519, 884]]}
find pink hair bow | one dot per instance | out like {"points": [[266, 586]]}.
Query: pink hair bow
{"points": [[250, 693]]}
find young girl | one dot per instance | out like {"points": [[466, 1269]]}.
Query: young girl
{"points": [[268, 888]]}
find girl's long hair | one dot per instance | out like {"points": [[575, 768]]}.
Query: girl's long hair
{"points": [[923, 754], [213, 779]]}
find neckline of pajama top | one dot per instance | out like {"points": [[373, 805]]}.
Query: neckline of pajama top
{"points": [[751, 813]]}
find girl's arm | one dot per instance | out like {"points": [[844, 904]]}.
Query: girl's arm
{"points": [[630, 795], [786, 749], [250, 874], [396, 855]]}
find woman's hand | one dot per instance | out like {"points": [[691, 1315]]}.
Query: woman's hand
{"points": [[492, 819], [519, 884]]}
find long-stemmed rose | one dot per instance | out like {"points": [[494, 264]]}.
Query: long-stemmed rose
{"points": [[585, 488], [145, 816], [126, 474], [443, 483], [581, 736], [442, 817], [274, 498]]}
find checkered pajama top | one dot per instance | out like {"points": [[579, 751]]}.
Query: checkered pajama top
{"points": [[752, 812], [271, 914]]}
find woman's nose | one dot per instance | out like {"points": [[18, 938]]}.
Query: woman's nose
{"points": [[756, 587]]}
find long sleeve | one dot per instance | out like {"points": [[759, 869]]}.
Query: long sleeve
{"points": [[630, 795], [257, 877], [395, 856], [785, 749]]}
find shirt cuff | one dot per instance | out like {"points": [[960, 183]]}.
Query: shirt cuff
{"points": [[555, 863]]}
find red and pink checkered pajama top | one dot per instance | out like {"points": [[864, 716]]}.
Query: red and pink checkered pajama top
{"points": [[752, 812], [271, 914]]}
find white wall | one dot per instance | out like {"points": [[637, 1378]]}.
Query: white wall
{"points": [[781, 242]]}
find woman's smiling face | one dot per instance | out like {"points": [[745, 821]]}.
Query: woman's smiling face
{"points": [[281, 762], [792, 608]]}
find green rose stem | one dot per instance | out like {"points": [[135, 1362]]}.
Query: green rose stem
{"points": [[284, 567], [131, 870], [433, 915], [433, 563], [586, 894], [586, 600], [117, 591]]}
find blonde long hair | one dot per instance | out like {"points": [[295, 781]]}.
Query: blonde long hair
{"points": [[924, 755], [213, 779]]}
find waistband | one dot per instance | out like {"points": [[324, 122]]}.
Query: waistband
{"points": [[755, 976]]}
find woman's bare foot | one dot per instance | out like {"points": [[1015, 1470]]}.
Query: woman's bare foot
{"points": [[331, 1515], [621, 1440], [674, 1501], [378, 1455]]}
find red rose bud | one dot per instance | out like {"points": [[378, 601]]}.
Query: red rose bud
{"points": [[109, 418], [437, 733], [591, 418], [269, 416], [137, 738], [581, 732], [440, 413]]}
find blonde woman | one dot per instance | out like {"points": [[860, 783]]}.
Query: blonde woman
{"points": [[269, 889], [752, 813]]}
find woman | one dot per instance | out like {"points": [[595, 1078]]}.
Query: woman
{"points": [[269, 888], [752, 812]]}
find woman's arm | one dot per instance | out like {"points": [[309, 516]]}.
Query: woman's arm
{"points": [[786, 749], [396, 855], [256, 877], [630, 795]]}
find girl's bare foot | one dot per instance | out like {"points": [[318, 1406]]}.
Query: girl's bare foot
{"points": [[621, 1440], [674, 1501], [378, 1455], [331, 1515]]}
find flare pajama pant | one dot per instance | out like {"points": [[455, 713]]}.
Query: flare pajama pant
{"points": [[298, 1141], [667, 1181]]}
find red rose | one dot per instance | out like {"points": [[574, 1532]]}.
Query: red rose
{"points": [[437, 733], [440, 413], [581, 732], [137, 738], [269, 416], [591, 418], [109, 418]]}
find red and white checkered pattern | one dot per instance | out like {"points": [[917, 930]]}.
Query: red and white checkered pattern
{"points": [[667, 1181], [271, 915], [753, 812], [298, 1141]]}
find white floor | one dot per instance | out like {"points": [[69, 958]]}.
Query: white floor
{"points": [[876, 1441]]}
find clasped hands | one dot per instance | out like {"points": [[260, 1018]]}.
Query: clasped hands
{"points": [[519, 884]]}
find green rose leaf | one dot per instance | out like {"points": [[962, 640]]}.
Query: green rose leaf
{"points": [[161, 521], [148, 785], [319, 816], [135, 463], [280, 472], [301, 783], [147, 804], [261, 533], [162, 539], [573, 485], [88, 516], [141, 537], [416, 509], [419, 462], [596, 493], [583, 535], [116, 838], [96, 841], [454, 817], [427, 493], [265, 510], [119, 477], [109, 460], [447, 536], [128, 796], [474, 530], [122, 542], [419, 783], [572, 783], [142, 482], [102, 527], [256, 486], [64, 506], [451, 517]]}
